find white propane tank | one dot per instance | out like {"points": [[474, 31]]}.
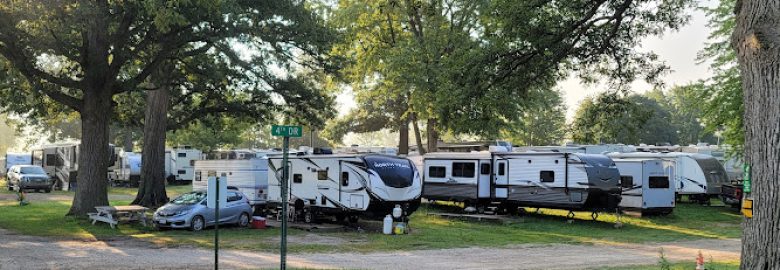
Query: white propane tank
{"points": [[397, 212], [387, 225]]}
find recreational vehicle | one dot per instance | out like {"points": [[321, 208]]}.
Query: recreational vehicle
{"points": [[60, 161], [646, 187], [569, 181], [250, 176], [180, 162], [345, 186], [12, 159], [697, 175], [128, 169]]}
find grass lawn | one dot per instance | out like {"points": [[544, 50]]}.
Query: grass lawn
{"points": [[688, 222], [679, 266]]}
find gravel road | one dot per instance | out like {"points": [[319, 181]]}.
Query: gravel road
{"points": [[28, 252]]}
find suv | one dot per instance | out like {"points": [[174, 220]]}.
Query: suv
{"points": [[21, 177]]}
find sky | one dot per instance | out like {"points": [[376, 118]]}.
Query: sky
{"points": [[678, 49]]}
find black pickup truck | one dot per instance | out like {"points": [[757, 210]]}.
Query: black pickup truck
{"points": [[731, 194]]}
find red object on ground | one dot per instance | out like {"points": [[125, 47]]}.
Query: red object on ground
{"points": [[258, 223]]}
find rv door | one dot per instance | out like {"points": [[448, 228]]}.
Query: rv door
{"points": [[483, 181], [501, 173], [351, 187]]}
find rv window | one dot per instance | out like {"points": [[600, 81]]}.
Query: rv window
{"points": [[197, 176], [322, 175], [626, 181], [484, 168], [659, 182], [461, 169], [345, 179], [297, 178], [437, 171], [501, 168], [181, 155], [51, 160], [547, 176], [181, 172]]}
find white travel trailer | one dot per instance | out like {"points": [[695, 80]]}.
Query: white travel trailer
{"points": [[60, 161], [250, 176], [180, 163], [368, 185], [128, 169], [646, 187], [12, 159], [569, 181], [577, 148], [697, 175]]}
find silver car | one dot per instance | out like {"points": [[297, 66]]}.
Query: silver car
{"points": [[189, 211], [21, 177]]}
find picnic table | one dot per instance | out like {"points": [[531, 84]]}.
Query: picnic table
{"points": [[113, 214]]}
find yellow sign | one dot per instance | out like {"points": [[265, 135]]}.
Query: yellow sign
{"points": [[747, 208]]}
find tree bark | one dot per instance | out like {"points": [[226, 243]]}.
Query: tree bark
{"points": [[403, 137], [127, 141], [756, 40], [94, 154], [95, 111], [151, 190], [433, 136], [417, 136]]}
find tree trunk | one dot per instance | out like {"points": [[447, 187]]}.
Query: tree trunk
{"points": [[417, 136], [433, 136], [756, 40], [127, 141], [94, 153], [403, 137], [151, 191]]}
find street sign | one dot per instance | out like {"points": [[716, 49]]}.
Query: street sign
{"points": [[287, 131], [211, 193], [746, 179]]}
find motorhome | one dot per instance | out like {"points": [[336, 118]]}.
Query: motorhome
{"points": [[698, 176], [510, 180], [180, 164], [60, 161], [345, 185], [646, 186], [128, 169], [12, 159], [250, 176]]}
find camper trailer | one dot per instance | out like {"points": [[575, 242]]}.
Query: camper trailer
{"points": [[532, 179], [345, 186], [646, 187], [180, 162], [60, 161], [250, 176], [128, 169], [12, 159], [697, 175]]}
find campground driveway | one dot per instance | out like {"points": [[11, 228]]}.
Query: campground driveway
{"points": [[28, 252]]}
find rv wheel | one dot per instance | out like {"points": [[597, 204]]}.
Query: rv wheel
{"points": [[10, 187], [308, 217], [353, 219]]}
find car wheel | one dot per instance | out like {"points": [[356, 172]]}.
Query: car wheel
{"points": [[197, 223], [243, 220]]}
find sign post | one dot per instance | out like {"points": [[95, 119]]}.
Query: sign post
{"points": [[216, 197], [286, 132]]}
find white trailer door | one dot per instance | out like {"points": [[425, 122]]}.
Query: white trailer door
{"points": [[352, 187], [484, 179], [502, 178]]}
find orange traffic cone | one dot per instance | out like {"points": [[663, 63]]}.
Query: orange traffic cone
{"points": [[700, 262]]}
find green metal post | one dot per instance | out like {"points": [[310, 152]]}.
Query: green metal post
{"points": [[216, 229], [285, 184]]}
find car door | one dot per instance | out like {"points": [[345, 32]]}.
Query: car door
{"points": [[230, 212]]}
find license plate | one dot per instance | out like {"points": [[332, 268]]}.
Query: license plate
{"points": [[162, 221]]}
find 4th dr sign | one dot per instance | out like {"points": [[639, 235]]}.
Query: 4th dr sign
{"points": [[287, 131]]}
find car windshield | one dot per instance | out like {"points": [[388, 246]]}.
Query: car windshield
{"points": [[190, 198], [32, 170]]}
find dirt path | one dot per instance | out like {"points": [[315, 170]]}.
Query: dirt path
{"points": [[27, 252]]}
